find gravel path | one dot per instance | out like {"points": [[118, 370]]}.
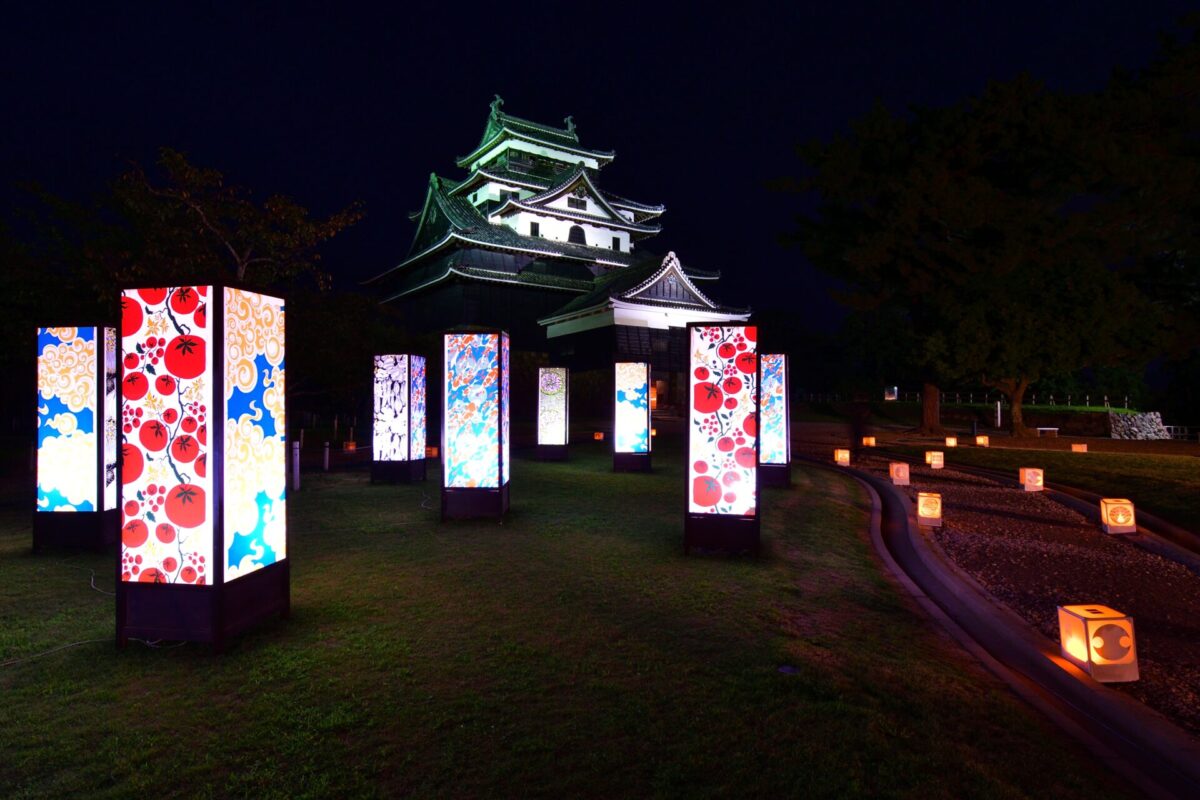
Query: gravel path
{"points": [[1033, 554]]}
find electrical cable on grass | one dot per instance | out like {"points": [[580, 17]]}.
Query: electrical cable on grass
{"points": [[156, 644]]}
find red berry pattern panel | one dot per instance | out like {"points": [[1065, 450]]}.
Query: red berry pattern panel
{"points": [[166, 394], [722, 452]]}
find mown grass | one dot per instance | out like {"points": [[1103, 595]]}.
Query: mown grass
{"points": [[1166, 485], [571, 651]]}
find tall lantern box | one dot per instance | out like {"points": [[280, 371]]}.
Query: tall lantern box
{"points": [[475, 420], [775, 445], [203, 463], [76, 502], [723, 440], [554, 413], [398, 436], [631, 417]]}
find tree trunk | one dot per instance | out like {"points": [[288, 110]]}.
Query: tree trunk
{"points": [[1014, 390], [931, 411]]}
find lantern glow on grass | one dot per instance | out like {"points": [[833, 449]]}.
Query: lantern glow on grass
{"points": [[475, 424], [631, 416], [982, 441], [935, 459], [841, 457], [76, 438], [1079, 448], [929, 509], [203, 463], [1117, 516], [723, 442], [898, 472], [775, 438], [1032, 479], [868, 441], [553, 413], [398, 435], [1100, 641]]}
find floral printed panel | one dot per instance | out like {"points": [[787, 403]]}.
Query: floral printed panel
{"points": [[504, 416], [390, 432], [110, 418], [166, 393], [774, 447], [552, 405], [631, 415], [417, 392], [66, 445], [722, 454], [471, 448], [255, 465]]}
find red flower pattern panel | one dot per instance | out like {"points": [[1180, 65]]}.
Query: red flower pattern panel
{"points": [[723, 429]]}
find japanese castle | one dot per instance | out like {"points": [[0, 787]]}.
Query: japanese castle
{"points": [[529, 242]]}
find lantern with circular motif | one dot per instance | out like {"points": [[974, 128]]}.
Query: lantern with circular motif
{"points": [[841, 456], [898, 472], [929, 509], [1117, 515], [936, 459], [1100, 641], [1033, 479]]}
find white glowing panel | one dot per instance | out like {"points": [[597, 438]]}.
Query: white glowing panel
{"points": [[255, 447], [631, 407], [553, 419], [723, 421], [166, 396], [398, 433], [71, 427], [473, 420], [775, 444]]}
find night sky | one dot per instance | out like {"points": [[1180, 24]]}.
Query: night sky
{"points": [[701, 109]]}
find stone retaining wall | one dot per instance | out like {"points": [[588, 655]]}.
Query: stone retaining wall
{"points": [[1137, 426]]}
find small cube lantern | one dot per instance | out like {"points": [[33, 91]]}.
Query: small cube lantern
{"points": [[982, 441], [951, 441], [935, 459], [868, 441], [1100, 641], [1079, 448], [841, 457], [929, 509], [598, 436], [1033, 479], [898, 472], [1117, 516]]}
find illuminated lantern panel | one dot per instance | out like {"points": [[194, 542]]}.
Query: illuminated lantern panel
{"points": [[1033, 479], [178, 469], [475, 424], [1117, 516], [723, 446], [76, 437], [553, 419], [1099, 640], [775, 445], [935, 459], [982, 441], [398, 426], [868, 441], [841, 457], [1079, 448], [898, 472], [929, 509], [951, 441], [631, 416], [891, 393], [598, 436]]}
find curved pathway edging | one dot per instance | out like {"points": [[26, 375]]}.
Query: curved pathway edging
{"points": [[1158, 757]]}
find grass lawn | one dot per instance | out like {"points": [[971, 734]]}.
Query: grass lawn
{"points": [[1166, 485], [571, 651]]}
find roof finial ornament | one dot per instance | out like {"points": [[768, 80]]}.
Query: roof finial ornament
{"points": [[496, 103], [570, 122]]}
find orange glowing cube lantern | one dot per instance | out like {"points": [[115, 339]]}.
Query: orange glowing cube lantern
{"points": [[1100, 641], [842, 457], [1033, 479], [868, 441], [1117, 516], [431, 451], [982, 441], [951, 441], [898, 472], [935, 459], [598, 436], [1079, 448], [654, 431], [929, 509]]}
